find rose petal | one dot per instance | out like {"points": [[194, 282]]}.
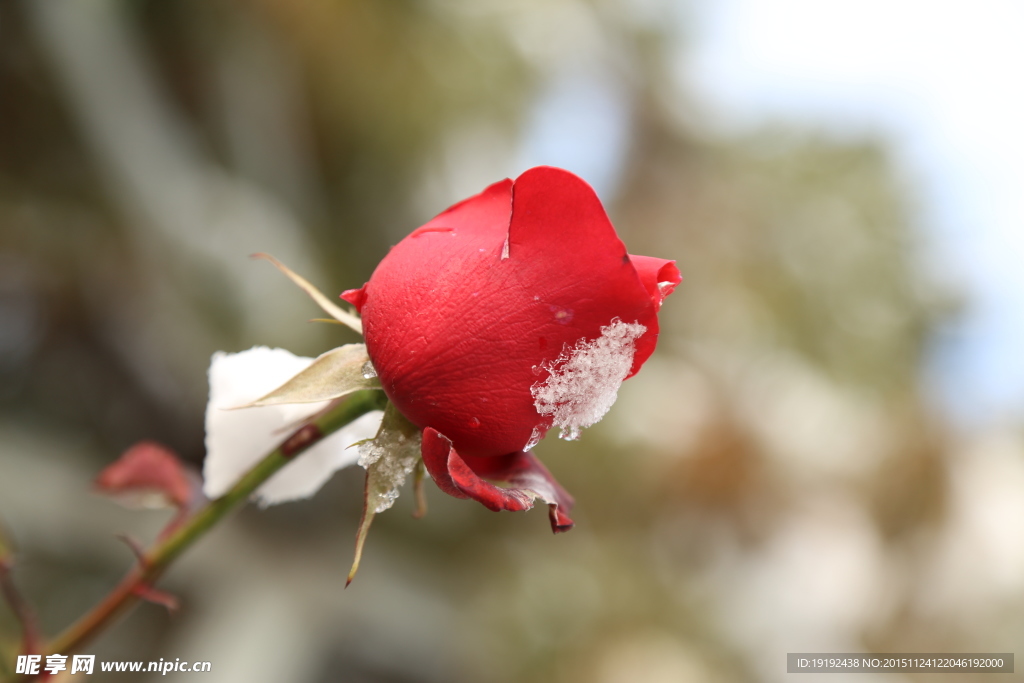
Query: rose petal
{"points": [[456, 331], [487, 213], [486, 216], [463, 476], [491, 496], [658, 275], [524, 471], [558, 218], [356, 297], [435, 449], [237, 439]]}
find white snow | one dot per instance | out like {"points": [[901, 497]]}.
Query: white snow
{"points": [[237, 439], [585, 379], [368, 370], [535, 436], [393, 456]]}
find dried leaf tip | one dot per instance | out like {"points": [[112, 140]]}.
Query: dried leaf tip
{"points": [[364, 529], [329, 307]]}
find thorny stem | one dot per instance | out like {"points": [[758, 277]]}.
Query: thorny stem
{"points": [[157, 559], [22, 610]]}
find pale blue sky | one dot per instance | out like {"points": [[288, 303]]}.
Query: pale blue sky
{"points": [[944, 82]]}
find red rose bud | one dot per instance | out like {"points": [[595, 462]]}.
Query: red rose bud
{"points": [[513, 311]]}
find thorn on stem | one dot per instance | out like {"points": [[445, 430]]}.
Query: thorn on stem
{"points": [[137, 550], [20, 607], [156, 596], [304, 437]]}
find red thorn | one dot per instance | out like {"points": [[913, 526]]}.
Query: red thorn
{"points": [[157, 596]]}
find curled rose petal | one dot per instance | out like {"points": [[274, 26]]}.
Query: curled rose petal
{"points": [[237, 439], [659, 277], [463, 477]]}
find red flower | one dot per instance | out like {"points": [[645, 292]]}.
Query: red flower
{"points": [[513, 311]]}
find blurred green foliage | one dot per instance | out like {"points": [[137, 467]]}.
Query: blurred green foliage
{"points": [[147, 147]]}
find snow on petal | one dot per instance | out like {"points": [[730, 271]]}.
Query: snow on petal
{"points": [[584, 380], [237, 439]]}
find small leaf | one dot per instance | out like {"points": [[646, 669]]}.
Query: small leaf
{"points": [[148, 475], [388, 460], [329, 306], [334, 374]]}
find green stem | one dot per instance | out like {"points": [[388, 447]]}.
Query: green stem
{"points": [[157, 559]]}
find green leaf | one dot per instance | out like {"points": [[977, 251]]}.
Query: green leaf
{"points": [[334, 374]]}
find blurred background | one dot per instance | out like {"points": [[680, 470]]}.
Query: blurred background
{"points": [[825, 453]]}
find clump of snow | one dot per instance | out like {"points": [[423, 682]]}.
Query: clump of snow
{"points": [[535, 436], [585, 379], [389, 458], [368, 370]]}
